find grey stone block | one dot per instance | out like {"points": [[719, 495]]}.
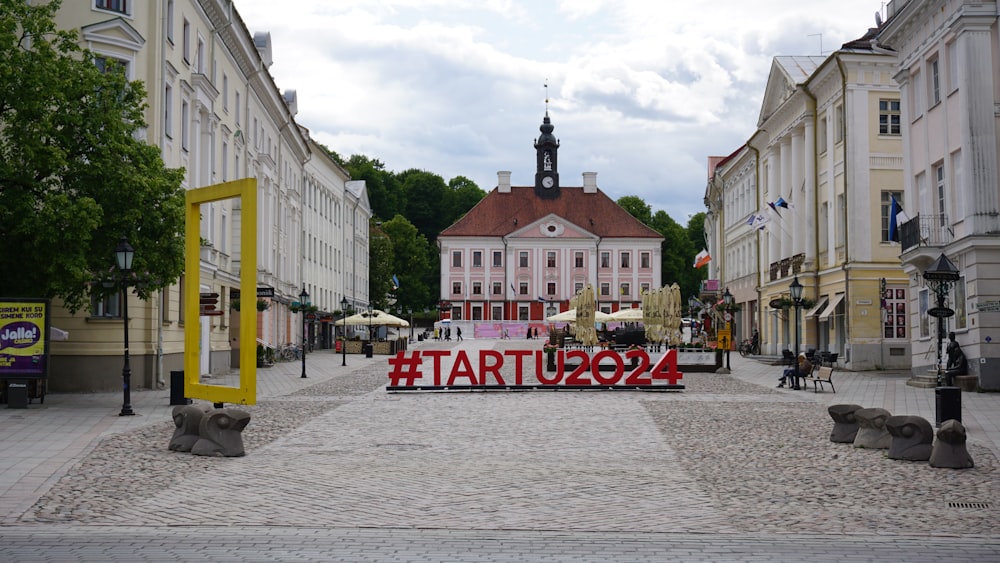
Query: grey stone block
{"points": [[187, 419], [949, 449], [845, 425], [872, 433], [912, 437]]}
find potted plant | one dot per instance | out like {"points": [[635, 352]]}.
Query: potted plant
{"points": [[550, 353]]}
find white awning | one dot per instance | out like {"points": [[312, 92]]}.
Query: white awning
{"points": [[834, 303], [819, 306]]}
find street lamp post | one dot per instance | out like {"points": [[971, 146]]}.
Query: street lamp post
{"points": [[304, 304], [939, 277], [727, 299], [796, 290], [343, 345], [124, 253]]}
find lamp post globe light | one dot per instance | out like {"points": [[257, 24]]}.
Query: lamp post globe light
{"points": [[304, 304], [343, 345], [727, 299], [795, 289], [124, 253]]}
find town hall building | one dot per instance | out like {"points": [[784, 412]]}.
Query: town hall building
{"points": [[524, 251]]}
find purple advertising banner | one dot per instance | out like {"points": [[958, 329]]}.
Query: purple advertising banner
{"points": [[24, 343]]}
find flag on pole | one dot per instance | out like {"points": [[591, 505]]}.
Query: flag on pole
{"points": [[541, 299], [782, 203], [395, 282], [702, 258], [774, 208], [513, 289], [896, 218]]}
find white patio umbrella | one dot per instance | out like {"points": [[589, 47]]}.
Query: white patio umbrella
{"points": [[377, 318], [627, 315], [569, 316]]}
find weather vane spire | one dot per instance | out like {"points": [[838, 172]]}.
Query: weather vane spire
{"points": [[546, 97]]}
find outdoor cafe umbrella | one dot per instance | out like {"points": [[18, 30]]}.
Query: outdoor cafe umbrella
{"points": [[633, 315], [569, 316], [376, 318]]}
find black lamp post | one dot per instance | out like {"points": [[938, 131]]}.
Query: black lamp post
{"points": [[304, 304], [727, 299], [343, 345], [939, 277], [124, 253], [796, 290]]}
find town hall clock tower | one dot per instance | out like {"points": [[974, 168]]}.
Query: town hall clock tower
{"points": [[547, 166]]}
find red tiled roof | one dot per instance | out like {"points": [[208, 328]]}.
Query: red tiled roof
{"points": [[595, 212]]}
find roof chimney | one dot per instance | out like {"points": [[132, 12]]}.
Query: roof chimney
{"points": [[503, 182], [590, 182]]}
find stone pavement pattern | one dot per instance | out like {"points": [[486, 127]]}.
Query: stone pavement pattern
{"points": [[730, 461]]}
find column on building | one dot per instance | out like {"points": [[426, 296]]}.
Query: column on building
{"points": [[808, 212], [979, 152], [774, 233], [797, 216], [785, 182]]}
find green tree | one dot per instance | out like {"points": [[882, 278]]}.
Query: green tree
{"points": [[411, 264], [380, 258], [637, 208], [424, 193], [463, 194], [383, 188], [73, 178]]}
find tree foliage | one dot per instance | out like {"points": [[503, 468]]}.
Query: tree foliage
{"points": [[74, 179], [412, 265], [380, 258]]}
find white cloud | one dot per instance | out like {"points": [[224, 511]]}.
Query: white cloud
{"points": [[640, 92]]}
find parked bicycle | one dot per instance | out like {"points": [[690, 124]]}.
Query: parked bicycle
{"points": [[749, 348], [289, 352]]}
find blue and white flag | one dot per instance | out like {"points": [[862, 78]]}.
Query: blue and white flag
{"points": [[395, 282], [896, 218]]}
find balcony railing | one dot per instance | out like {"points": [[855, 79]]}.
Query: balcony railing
{"points": [[925, 230]]}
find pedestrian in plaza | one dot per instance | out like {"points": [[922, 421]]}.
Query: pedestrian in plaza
{"points": [[802, 368], [458, 333]]}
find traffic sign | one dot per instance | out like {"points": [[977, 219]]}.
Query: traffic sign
{"points": [[207, 305]]}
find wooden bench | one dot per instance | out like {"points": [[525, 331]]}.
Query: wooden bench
{"points": [[819, 376]]}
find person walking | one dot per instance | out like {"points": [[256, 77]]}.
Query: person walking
{"points": [[458, 333]]}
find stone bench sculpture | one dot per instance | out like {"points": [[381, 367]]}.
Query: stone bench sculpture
{"points": [[872, 433], [206, 431], [845, 425], [949, 449], [912, 437]]}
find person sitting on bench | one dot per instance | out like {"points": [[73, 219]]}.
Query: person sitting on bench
{"points": [[802, 368]]}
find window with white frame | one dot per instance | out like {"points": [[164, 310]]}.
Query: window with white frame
{"points": [[522, 259], [605, 260], [888, 117], [185, 120], [934, 81], [838, 125], [625, 289], [605, 289], [644, 260], [886, 210], [477, 258], [894, 304], [497, 259], [106, 306], [117, 6], [497, 288], [477, 288], [497, 314], [186, 38], [821, 137], [577, 287], [522, 288], [456, 259], [522, 313], [168, 111], [939, 190], [456, 288], [169, 23], [550, 288], [626, 260], [578, 259], [550, 259]]}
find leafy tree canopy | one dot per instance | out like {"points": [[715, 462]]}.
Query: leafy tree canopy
{"points": [[74, 179]]}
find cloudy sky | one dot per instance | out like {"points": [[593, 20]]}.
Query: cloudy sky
{"points": [[640, 91]]}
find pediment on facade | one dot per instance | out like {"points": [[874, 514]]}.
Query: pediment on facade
{"points": [[552, 226], [787, 73], [115, 32]]}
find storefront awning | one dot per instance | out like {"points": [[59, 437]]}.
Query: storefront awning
{"points": [[819, 307], [832, 307]]}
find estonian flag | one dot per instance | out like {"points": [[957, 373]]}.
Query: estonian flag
{"points": [[782, 203], [541, 299], [896, 218], [395, 282]]}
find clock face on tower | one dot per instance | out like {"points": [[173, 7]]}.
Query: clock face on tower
{"points": [[548, 182]]}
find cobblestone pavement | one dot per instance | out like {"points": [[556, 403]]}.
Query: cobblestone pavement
{"points": [[356, 473]]}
